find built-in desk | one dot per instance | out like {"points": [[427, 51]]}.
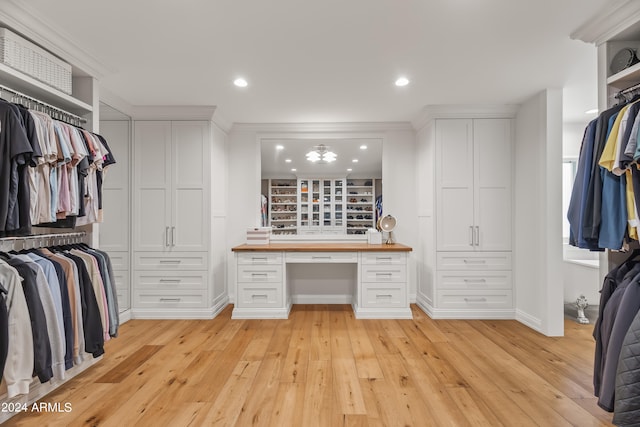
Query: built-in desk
{"points": [[261, 277]]}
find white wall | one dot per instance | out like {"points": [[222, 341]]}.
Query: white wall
{"points": [[538, 201], [572, 134], [398, 175]]}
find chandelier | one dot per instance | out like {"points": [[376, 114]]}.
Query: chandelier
{"points": [[321, 154]]}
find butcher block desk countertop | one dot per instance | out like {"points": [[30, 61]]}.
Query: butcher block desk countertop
{"points": [[323, 247]]}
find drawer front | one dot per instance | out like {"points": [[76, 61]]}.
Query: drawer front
{"points": [[122, 289], [474, 280], [168, 299], [476, 300], [322, 257], [473, 261], [171, 261], [384, 273], [259, 296], [119, 260], [260, 273], [384, 296], [174, 280], [378, 258], [259, 258]]}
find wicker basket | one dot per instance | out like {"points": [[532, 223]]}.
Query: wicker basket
{"points": [[24, 56]]}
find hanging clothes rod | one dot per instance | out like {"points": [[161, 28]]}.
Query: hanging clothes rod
{"points": [[74, 235], [55, 112], [629, 89]]}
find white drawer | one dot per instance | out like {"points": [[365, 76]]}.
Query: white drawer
{"points": [[168, 299], [476, 300], [119, 260], [178, 280], [383, 273], [473, 261], [121, 278], [259, 257], [171, 261], [259, 296], [259, 273], [384, 295], [322, 257], [474, 280], [124, 303], [384, 258]]}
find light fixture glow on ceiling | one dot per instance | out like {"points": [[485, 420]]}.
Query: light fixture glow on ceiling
{"points": [[294, 169], [402, 81], [349, 170], [240, 82], [321, 153], [279, 147], [287, 160], [592, 111], [355, 160], [363, 147]]}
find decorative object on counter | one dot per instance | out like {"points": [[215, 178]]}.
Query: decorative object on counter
{"points": [[582, 303], [387, 224], [258, 235]]}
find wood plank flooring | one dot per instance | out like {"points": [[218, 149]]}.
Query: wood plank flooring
{"points": [[323, 367]]}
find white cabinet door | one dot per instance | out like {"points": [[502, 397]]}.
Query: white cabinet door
{"points": [[455, 186], [492, 177], [152, 177], [190, 172]]}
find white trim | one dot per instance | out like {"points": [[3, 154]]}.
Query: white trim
{"points": [[431, 112], [261, 313], [439, 313], [529, 320], [180, 313], [322, 299], [124, 316], [115, 101], [382, 313], [609, 22], [426, 307]]}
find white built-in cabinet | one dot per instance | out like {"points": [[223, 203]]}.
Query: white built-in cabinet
{"points": [[171, 218], [321, 206], [473, 184], [471, 270]]}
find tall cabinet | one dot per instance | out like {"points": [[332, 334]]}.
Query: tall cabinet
{"points": [[473, 197], [171, 219]]}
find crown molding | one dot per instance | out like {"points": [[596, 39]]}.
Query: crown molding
{"points": [[431, 112], [26, 20], [609, 22], [221, 122], [115, 101], [345, 127], [173, 112]]}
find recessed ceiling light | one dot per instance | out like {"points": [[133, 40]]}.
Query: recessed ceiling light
{"points": [[592, 111], [240, 82], [294, 169], [363, 147], [402, 81], [355, 160], [349, 170], [287, 160], [279, 147]]}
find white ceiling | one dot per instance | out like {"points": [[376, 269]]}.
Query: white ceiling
{"points": [[332, 60]]}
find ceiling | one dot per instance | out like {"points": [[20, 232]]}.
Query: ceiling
{"points": [[330, 60]]}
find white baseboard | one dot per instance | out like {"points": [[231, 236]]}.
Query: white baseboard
{"points": [[261, 313], [124, 316], [382, 313], [322, 299], [529, 320]]}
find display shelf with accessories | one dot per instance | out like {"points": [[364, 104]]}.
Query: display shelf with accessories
{"points": [[283, 206], [360, 201]]}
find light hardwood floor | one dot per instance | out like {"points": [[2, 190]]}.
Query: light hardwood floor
{"points": [[322, 367]]}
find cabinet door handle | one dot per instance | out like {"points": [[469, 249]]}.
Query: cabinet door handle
{"points": [[262, 258], [474, 261], [166, 236], [384, 296], [320, 257], [380, 258], [471, 235], [170, 261], [258, 274], [170, 280], [170, 299], [259, 296], [379, 273], [476, 235], [475, 300], [475, 280], [173, 236]]}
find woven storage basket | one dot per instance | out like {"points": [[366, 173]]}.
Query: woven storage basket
{"points": [[34, 61]]}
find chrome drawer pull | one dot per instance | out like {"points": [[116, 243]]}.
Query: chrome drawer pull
{"points": [[384, 296], [383, 274], [475, 300], [259, 296], [476, 261], [386, 258], [170, 280], [320, 257], [170, 261], [170, 299], [259, 274], [263, 258], [475, 280]]}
